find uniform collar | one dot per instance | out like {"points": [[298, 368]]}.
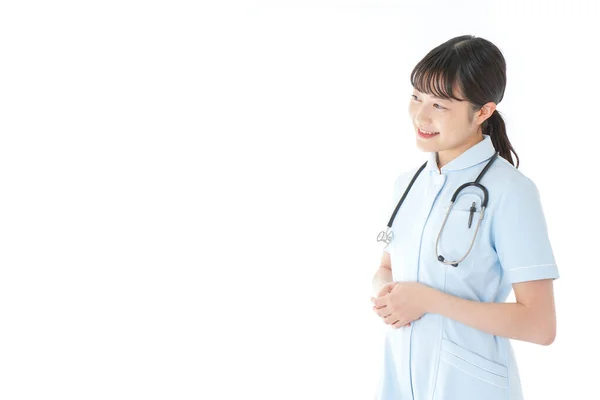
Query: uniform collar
{"points": [[472, 156]]}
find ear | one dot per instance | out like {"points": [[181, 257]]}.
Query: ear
{"points": [[485, 112]]}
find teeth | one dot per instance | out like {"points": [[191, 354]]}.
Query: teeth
{"points": [[428, 133]]}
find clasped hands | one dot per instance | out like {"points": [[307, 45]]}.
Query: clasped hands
{"points": [[400, 303]]}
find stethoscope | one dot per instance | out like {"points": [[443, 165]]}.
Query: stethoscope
{"points": [[386, 236]]}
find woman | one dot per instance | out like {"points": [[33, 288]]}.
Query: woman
{"points": [[449, 327]]}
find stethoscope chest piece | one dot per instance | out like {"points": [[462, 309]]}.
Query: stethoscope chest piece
{"points": [[442, 259]]}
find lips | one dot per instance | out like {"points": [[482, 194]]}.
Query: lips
{"points": [[427, 135]]}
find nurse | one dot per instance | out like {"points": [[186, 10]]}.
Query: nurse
{"points": [[448, 328]]}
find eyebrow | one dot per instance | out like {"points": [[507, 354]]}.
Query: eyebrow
{"points": [[435, 97]]}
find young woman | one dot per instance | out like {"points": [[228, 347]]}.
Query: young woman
{"points": [[447, 270]]}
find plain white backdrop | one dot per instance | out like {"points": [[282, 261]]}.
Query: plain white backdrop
{"points": [[190, 194]]}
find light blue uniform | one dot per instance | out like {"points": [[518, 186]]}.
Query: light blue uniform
{"points": [[437, 358]]}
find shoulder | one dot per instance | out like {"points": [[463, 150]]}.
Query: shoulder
{"points": [[515, 192], [512, 183]]}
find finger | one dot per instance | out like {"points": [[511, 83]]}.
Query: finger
{"points": [[399, 324], [382, 312], [385, 289], [389, 319], [373, 299], [375, 305], [380, 301]]}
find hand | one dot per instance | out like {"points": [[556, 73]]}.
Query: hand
{"points": [[385, 289], [400, 303]]}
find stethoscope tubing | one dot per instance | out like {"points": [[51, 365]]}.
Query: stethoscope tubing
{"points": [[387, 235]]}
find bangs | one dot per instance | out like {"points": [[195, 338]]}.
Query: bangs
{"points": [[436, 75]]}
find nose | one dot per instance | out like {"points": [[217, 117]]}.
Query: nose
{"points": [[421, 117]]}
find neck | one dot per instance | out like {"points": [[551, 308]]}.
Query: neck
{"points": [[444, 157]]}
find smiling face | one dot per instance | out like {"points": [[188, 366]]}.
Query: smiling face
{"points": [[457, 127]]}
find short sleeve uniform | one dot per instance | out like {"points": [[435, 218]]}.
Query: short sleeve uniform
{"points": [[436, 358]]}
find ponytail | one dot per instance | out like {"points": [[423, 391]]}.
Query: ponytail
{"points": [[473, 69], [494, 127]]}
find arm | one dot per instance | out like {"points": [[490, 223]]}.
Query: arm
{"points": [[383, 274], [532, 318]]}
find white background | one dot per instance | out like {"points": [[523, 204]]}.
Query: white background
{"points": [[190, 195]]}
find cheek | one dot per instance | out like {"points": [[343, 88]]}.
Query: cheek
{"points": [[446, 124], [411, 109]]}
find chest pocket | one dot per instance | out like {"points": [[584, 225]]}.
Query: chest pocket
{"points": [[456, 236]]}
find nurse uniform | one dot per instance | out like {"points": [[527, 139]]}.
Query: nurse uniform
{"points": [[437, 358]]}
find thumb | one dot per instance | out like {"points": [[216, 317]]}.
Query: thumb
{"points": [[385, 289]]}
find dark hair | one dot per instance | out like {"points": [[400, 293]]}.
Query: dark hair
{"points": [[478, 69]]}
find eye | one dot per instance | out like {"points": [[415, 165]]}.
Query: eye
{"points": [[414, 97]]}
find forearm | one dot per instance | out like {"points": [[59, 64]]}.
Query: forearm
{"points": [[381, 277], [511, 320]]}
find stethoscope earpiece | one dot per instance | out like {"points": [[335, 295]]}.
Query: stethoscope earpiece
{"points": [[385, 236]]}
